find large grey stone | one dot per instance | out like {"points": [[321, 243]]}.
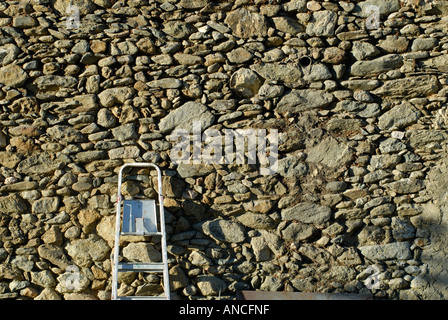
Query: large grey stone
{"points": [[361, 109], [318, 72], [421, 138], [141, 252], [378, 65], [245, 82], [178, 29], [297, 232], [41, 163], [330, 153], [391, 145], [440, 62], [45, 205], [117, 95], [288, 25], [417, 86], [385, 7], [363, 50], [210, 285], [399, 117], [86, 251], [292, 167], [125, 132], [307, 213], [55, 82], [246, 24], [224, 230], [406, 185], [256, 220], [65, 134], [8, 53], [12, 204], [300, 100], [322, 23], [184, 116], [286, 72], [13, 76], [389, 251], [55, 254]]}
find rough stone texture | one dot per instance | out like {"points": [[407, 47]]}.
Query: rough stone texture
{"points": [[184, 116]]}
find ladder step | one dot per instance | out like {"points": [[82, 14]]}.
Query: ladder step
{"points": [[142, 298], [140, 266], [145, 234]]}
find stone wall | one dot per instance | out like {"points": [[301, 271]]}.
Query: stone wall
{"points": [[361, 115]]}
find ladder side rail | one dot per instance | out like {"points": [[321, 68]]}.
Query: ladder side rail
{"points": [[166, 284], [117, 237]]}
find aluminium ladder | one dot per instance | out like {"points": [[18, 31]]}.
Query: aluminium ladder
{"points": [[140, 219]]}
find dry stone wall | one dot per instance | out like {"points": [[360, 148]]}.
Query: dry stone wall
{"points": [[361, 117]]}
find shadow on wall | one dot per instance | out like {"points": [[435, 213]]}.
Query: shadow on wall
{"points": [[433, 283]]}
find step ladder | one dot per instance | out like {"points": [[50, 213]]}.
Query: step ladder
{"points": [[140, 219]]}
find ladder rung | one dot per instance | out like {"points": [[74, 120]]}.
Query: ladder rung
{"points": [[142, 298], [146, 234], [140, 266]]}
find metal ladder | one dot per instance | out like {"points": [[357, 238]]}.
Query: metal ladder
{"points": [[140, 219]]}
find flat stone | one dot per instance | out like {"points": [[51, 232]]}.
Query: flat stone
{"points": [[300, 100], [166, 83], [194, 170], [239, 55], [127, 152], [12, 204], [256, 220], [65, 134], [54, 254], [286, 72], [410, 87], [330, 153], [298, 232], [184, 116], [54, 82], [406, 186], [141, 252], [424, 44], [361, 109], [394, 44], [291, 166], [288, 25], [188, 59], [399, 117], [307, 213], [210, 285], [41, 163], [224, 230], [24, 22], [125, 132], [45, 205], [378, 65], [385, 7], [9, 159], [389, 251], [112, 96], [421, 138], [440, 62]]}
